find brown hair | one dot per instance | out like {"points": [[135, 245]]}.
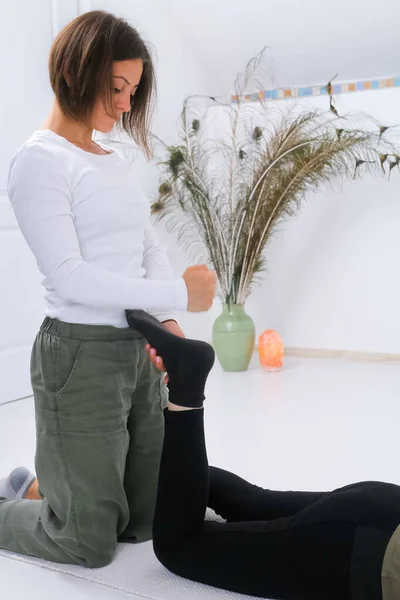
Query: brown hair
{"points": [[84, 52]]}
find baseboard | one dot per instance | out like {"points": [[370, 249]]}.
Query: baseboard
{"points": [[385, 357], [376, 357]]}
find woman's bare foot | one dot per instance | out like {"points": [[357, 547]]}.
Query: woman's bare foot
{"points": [[33, 492]]}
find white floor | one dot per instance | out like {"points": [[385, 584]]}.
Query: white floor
{"points": [[316, 425]]}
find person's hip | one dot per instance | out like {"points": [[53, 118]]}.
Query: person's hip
{"points": [[82, 314], [86, 328]]}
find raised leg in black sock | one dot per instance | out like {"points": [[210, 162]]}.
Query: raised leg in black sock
{"points": [[307, 556]]}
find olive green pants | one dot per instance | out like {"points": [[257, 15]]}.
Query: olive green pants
{"points": [[99, 405]]}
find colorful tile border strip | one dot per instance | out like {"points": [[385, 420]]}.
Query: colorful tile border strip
{"points": [[320, 90]]}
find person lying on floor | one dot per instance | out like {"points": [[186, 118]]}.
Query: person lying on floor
{"points": [[339, 545]]}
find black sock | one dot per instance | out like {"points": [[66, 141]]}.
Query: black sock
{"points": [[188, 362]]}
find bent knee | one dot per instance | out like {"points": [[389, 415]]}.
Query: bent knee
{"points": [[97, 557], [166, 551]]}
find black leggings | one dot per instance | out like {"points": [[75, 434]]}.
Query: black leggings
{"points": [[285, 545]]}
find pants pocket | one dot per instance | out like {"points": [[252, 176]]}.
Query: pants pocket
{"points": [[54, 363], [69, 353]]}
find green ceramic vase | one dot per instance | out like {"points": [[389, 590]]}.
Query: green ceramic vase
{"points": [[234, 337]]}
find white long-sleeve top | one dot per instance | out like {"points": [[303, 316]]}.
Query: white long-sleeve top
{"points": [[87, 222]]}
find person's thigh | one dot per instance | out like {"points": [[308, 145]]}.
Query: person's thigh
{"points": [[146, 431], [236, 499]]}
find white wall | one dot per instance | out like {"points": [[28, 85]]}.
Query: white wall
{"points": [[311, 40], [25, 36], [333, 270]]}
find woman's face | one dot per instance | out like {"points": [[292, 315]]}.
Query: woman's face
{"points": [[126, 78]]}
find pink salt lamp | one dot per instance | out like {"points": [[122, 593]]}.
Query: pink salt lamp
{"points": [[270, 350]]}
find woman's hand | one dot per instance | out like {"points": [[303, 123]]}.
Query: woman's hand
{"points": [[174, 328]]}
